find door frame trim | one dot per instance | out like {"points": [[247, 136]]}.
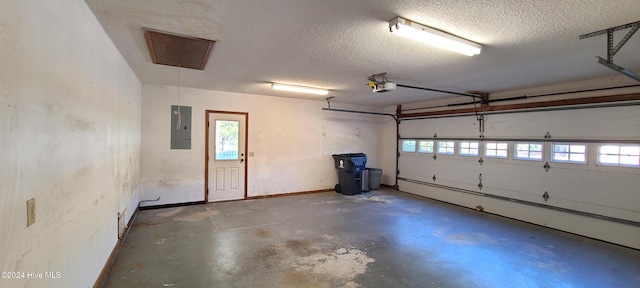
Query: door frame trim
{"points": [[206, 150]]}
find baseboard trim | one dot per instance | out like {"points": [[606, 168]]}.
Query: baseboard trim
{"points": [[388, 186], [289, 194], [102, 278], [248, 198], [173, 205]]}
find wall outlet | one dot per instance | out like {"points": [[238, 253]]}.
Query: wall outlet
{"points": [[31, 211]]}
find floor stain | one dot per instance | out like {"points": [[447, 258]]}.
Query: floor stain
{"points": [[441, 231], [195, 217], [470, 238], [301, 247], [339, 267], [416, 210], [147, 223], [266, 253], [304, 279], [536, 251], [378, 199], [554, 267], [329, 237], [262, 233], [327, 202], [170, 212]]}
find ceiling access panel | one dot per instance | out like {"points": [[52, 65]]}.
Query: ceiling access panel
{"points": [[178, 50]]}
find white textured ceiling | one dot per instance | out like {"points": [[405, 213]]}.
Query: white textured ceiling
{"points": [[336, 44]]}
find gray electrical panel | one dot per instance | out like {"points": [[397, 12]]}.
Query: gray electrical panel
{"points": [[180, 127]]}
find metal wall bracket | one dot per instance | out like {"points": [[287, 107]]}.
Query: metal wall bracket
{"points": [[329, 101], [547, 136], [435, 157], [480, 118], [480, 185], [546, 167], [545, 196], [612, 50], [434, 178], [435, 135], [481, 161], [619, 69]]}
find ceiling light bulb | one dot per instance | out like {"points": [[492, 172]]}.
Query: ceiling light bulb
{"points": [[300, 89], [433, 36]]}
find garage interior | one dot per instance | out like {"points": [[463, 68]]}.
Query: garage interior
{"points": [[145, 144]]}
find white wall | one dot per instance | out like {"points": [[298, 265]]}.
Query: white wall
{"points": [[70, 126], [389, 148], [602, 190], [286, 135]]}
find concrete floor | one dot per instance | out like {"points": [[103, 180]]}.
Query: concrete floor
{"points": [[382, 238]]}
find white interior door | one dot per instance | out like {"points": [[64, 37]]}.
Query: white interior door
{"points": [[226, 156]]}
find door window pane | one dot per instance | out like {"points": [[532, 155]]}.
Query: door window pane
{"points": [[528, 151], [425, 146], [446, 147], [570, 153], [469, 148], [496, 149], [227, 139], [619, 155], [409, 146]]}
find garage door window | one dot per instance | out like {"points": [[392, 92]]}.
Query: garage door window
{"points": [[409, 146], [446, 147], [469, 148], [619, 155], [425, 146], [496, 149], [569, 153], [528, 151]]}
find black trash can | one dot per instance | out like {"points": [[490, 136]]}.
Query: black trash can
{"points": [[349, 168]]}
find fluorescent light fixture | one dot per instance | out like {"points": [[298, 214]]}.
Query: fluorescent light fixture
{"points": [[433, 36], [297, 88]]}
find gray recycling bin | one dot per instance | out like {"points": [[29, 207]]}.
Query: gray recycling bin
{"points": [[349, 168], [364, 180], [375, 175]]}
